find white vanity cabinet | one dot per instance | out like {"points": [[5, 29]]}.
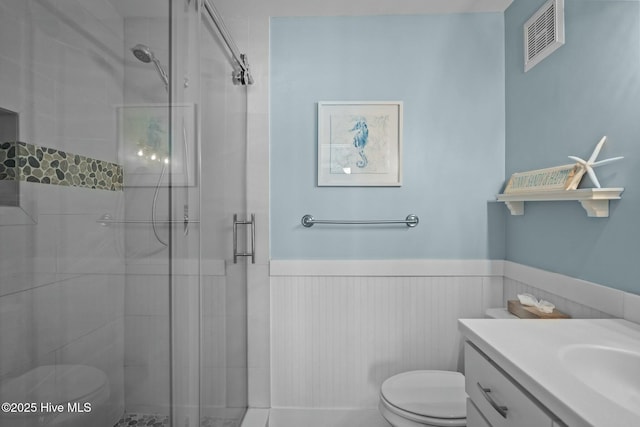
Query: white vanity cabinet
{"points": [[495, 400], [474, 418], [541, 371]]}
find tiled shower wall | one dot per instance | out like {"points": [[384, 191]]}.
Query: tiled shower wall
{"points": [[146, 337], [62, 278], [146, 314], [223, 364]]}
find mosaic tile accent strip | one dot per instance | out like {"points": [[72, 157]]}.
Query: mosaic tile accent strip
{"points": [[32, 163], [152, 420]]}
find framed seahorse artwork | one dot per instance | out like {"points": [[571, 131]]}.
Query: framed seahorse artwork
{"points": [[153, 153], [360, 143]]}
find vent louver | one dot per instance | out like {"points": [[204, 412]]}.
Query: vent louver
{"points": [[543, 33]]}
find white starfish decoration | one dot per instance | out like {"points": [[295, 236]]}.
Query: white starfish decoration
{"points": [[588, 165]]}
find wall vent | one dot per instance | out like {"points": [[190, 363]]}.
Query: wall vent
{"points": [[543, 33]]}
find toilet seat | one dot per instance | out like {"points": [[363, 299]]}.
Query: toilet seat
{"points": [[426, 397]]}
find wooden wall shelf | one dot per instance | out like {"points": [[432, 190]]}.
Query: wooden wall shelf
{"points": [[594, 200]]}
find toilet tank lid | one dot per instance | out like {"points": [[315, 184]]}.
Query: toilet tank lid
{"points": [[54, 383], [435, 394]]}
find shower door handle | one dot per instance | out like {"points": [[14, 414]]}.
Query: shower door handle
{"points": [[252, 223]]}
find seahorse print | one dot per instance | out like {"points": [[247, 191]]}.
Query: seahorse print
{"points": [[360, 139]]}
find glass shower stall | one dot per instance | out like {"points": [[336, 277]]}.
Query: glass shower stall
{"points": [[124, 236]]}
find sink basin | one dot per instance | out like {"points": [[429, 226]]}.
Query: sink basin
{"points": [[612, 372]]}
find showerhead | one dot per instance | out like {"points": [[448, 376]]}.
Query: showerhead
{"points": [[145, 54]]}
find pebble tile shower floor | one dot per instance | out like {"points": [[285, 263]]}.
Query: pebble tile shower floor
{"points": [[151, 420]]}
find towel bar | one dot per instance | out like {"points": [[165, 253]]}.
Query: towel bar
{"points": [[411, 221]]}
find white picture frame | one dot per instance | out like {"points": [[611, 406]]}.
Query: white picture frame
{"points": [[360, 143], [149, 155]]}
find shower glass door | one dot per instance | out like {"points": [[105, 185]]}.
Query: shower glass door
{"points": [[155, 161], [208, 289], [223, 113], [122, 163], [86, 278]]}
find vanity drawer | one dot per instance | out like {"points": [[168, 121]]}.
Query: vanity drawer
{"points": [[474, 419], [499, 400]]}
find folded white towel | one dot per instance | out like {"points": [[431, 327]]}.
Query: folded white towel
{"points": [[545, 306], [530, 300]]}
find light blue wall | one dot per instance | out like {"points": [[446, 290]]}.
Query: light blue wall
{"points": [[449, 72], [588, 88]]}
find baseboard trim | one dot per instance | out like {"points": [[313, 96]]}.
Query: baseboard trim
{"points": [[256, 417]]}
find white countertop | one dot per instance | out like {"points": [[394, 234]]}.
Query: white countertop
{"points": [[528, 350]]}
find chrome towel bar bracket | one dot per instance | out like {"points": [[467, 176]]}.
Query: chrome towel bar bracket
{"points": [[411, 221]]}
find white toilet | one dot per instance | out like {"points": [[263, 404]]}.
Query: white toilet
{"points": [[428, 398], [424, 398], [57, 385]]}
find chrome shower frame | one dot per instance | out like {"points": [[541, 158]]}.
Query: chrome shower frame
{"points": [[242, 73]]}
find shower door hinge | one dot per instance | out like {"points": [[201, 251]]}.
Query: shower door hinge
{"points": [[252, 223]]}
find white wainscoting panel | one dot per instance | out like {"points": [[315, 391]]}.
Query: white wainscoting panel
{"points": [[367, 417], [632, 307], [576, 297], [334, 340], [576, 310]]}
